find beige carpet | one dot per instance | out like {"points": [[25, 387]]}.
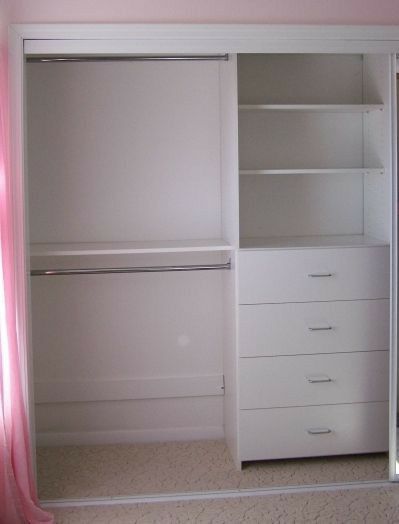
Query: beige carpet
{"points": [[100, 471]]}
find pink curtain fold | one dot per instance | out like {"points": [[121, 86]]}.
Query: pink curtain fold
{"points": [[18, 500]]}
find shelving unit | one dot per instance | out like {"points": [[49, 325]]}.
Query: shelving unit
{"points": [[314, 252]]}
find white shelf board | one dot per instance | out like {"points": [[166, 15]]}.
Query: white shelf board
{"points": [[324, 108], [125, 248], [338, 171], [324, 241]]}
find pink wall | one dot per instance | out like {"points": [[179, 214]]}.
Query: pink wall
{"points": [[208, 11], [3, 20]]}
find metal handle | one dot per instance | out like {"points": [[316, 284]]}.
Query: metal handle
{"points": [[320, 328], [318, 379], [320, 275], [319, 431]]}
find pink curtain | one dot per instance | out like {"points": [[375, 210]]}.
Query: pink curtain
{"points": [[18, 501]]}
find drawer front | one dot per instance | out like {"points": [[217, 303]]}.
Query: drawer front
{"points": [[313, 275], [314, 327], [313, 431], [304, 380]]}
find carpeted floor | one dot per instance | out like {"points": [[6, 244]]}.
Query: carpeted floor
{"points": [[125, 470]]}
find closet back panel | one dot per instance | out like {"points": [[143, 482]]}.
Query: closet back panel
{"points": [[285, 140], [129, 325], [291, 205], [123, 151], [300, 79]]}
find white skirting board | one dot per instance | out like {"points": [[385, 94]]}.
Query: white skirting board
{"points": [[129, 436]]}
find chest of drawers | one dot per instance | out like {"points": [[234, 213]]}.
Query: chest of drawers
{"points": [[314, 341]]}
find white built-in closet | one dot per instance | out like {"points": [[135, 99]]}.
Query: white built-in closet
{"points": [[272, 170]]}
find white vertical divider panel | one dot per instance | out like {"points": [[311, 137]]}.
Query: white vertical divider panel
{"points": [[380, 197], [377, 141], [230, 232], [394, 390]]}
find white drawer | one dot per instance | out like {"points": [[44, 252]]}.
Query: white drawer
{"points": [[308, 275], [302, 432], [303, 380], [313, 327]]}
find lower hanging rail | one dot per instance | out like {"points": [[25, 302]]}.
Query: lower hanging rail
{"points": [[136, 269]]}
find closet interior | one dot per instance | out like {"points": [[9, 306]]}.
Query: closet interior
{"points": [[210, 251]]}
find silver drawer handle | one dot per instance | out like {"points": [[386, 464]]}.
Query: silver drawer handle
{"points": [[320, 328], [318, 431], [320, 275], [318, 379]]}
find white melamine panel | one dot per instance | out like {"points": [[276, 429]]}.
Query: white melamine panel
{"points": [[308, 380], [329, 172], [283, 433], [289, 140], [230, 231], [323, 108], [314, 327], [121, 248], [129, 325], [272, 206], [300, 79], [130, 421], [338, 274], [378, 146], [123, 151], [309, 242]]}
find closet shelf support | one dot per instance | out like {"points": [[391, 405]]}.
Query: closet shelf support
{"points": [[137, 269]]}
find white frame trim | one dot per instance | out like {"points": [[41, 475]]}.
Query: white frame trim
{"points": [[173, 38]]}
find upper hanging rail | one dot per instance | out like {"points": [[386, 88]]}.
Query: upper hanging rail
{"points": [[136, 269], [136, 58]]}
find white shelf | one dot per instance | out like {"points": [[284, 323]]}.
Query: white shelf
{"points": [[323, 108], [324, 241], [125, 248], [339, 171]]}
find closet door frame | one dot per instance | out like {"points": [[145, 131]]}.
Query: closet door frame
{"points": [[56, 39]]}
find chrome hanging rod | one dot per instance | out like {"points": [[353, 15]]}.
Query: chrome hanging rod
{"points": [[145, 269], [137, 58]]}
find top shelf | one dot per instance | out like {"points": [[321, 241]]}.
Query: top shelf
{"points": [[322, 108], [126, 248]]}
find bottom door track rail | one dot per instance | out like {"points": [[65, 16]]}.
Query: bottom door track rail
{"points": [[144, 269]]}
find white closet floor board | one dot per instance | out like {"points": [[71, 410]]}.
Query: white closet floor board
{"points": [[371, 506], [176, 467]]}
